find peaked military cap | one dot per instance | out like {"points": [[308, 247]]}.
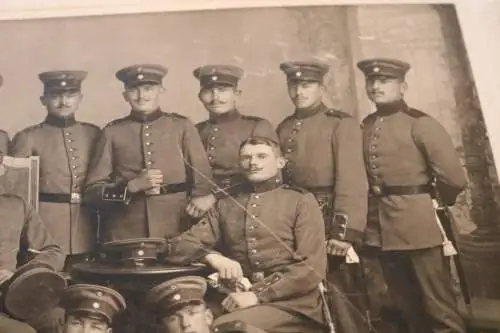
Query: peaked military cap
{"points": [[93, 301], [236, 326], [135, 75], [305, 70], [384, 67], [169, 296], [33, 289], [63, 80], [132, 250], [211, 75]]}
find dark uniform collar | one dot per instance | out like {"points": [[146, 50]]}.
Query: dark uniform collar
{"points": [[224, 117], [142, 117], [391, 108], [306, 113], [268, 185], [61, 122]]}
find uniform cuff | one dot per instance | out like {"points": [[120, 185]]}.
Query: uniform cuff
{"points": [[263, 289]]}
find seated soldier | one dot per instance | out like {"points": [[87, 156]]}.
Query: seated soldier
{"points": [[178, 306], [271, 233], [90, 308], [22, 230]]}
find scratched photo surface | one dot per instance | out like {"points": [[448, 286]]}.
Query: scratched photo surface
{"points": [[258, 40]]}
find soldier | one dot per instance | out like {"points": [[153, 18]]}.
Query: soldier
{"points": [[23, 230], [323, 151], [90, 308], [226, 128], [64, 146], [147, 164], [274, 235], [404, 150], [179, 307]]}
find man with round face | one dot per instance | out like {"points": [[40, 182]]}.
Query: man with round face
{"points": [[273, 234], [226, 128], [323, 149], [147, 165], [64, 146], [405, 150], [90, 308]]}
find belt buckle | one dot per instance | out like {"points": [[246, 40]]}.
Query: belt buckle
{"points": [[75, 198], [257, 277], [377, 189]]}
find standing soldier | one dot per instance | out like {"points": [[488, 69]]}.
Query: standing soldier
{"points": [[324, 156], [147, 164], [226, 128], [404, 150], [64, 146]]}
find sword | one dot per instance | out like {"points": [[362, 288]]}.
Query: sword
{"points": [[326, 309], [446, 218]]}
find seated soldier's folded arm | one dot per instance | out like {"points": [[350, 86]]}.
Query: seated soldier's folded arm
{"points": [[309, 270], [101, 187], [194, 244], [40, 245]]}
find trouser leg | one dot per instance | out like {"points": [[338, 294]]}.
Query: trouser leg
{"points": [[273, 320]]}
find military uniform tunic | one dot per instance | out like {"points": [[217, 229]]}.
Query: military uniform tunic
{"points": [[23, 229], [278, 241], [168, 142], [222, 136], [323, 149], [406, 147], [64, 148]]}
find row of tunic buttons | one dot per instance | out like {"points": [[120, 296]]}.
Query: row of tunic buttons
{"points": [[72, 156], [148, 144], [373, 146], [289, 149], [252, 227], [211, 144]]}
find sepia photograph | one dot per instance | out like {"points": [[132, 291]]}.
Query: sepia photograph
{"points": [[292, 168]]}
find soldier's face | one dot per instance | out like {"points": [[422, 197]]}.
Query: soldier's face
{"points": [[384, 90], [260, 162], [80, 324], [62, 104], [144, 98], [219, 99], [305, 94], [189, 319]]}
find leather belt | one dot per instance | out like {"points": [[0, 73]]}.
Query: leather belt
{"points": [[383, 191], [60, 197]]}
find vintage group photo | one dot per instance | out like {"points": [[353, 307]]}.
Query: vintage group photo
{"points": [[314, 169]]}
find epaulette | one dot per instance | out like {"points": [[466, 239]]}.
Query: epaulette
{"points": [[31, 128], [296, 188], [116, 121], [337, 114], [176, 115], [414, 113], [255, 118], [90, 125], [4, 132]]}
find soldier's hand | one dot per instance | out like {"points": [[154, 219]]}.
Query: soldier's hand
{"points": [[240, 300], [197, 207], [5, 275], [337, 247], [146, 180], [228, 269]]}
